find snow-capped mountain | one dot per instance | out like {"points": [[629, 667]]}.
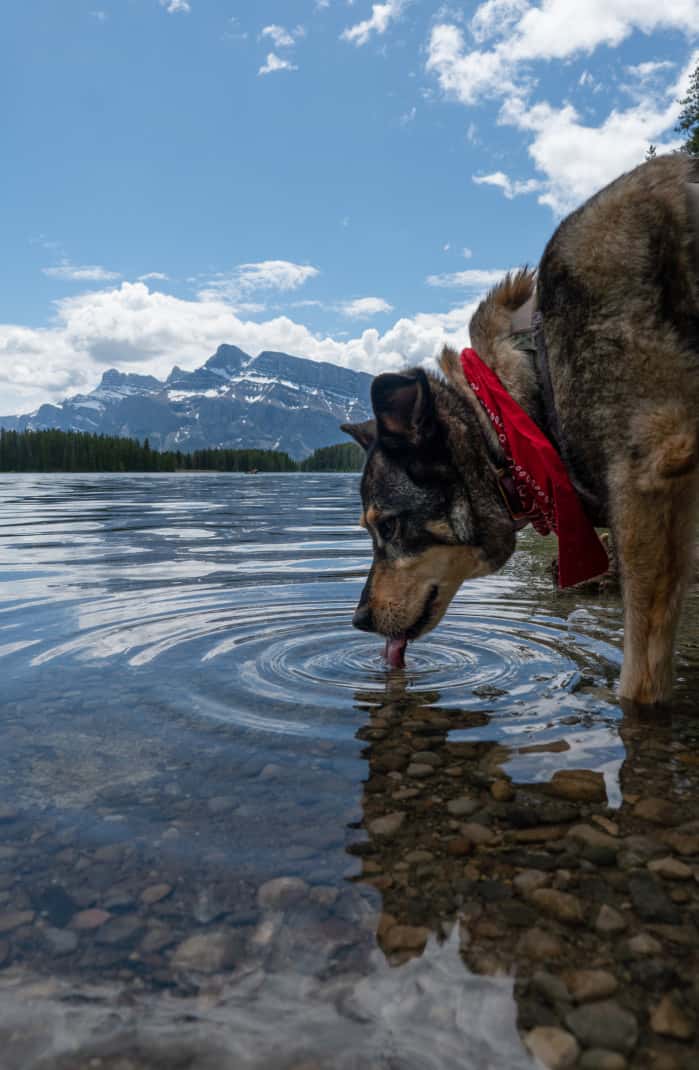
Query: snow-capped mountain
{"points": [[272, 401]]}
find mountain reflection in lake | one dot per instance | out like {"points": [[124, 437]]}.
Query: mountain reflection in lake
{"points": [[229, 838]]}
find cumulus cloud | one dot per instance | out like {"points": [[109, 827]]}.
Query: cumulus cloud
{"points": [[365, 307], [382, 15], [67, 272], [174, 7], [474, 280], [510, 187], [245, 279], [275, 63], [136, 329]]}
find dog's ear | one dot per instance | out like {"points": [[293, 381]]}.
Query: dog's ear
{"points": [[364, 434], [404, 406]]}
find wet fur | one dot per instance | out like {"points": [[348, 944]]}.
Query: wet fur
{"points": [[618, 288]]}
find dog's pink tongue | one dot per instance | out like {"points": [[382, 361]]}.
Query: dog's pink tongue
{"points": [[395, 652]]}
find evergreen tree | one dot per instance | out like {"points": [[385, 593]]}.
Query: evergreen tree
{"points": [[688, 123]]}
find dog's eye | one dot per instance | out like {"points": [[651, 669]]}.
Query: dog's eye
{"points": [[386, 529]]}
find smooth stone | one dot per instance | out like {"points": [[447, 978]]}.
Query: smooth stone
{"points": [[555, 1048], [13, 919], [56, 905], [415, 857], [387, 825], [590, 836], [8, 813], [90, 919], [578, 785], [668, 1019], [529, 880], [502, 790], [459, 846], [609, 921], [650, 899], [604, 1024], [405, 938], [419, 770], [155, 894], [644, 944], [659, 811], [682, 842], [539, 945], [672, 869], [156, 939], [427, 757], [221, 804], [281, 892], [552, 988], [586, 985], [206, 952], [599, 1059], [562, 906], [120, 930], [61, 941], [477, 834], [463, 807]]}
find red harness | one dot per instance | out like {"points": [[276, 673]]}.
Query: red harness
{"points": [[543, 493]]}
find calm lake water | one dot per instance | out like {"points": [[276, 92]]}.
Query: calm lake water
{"points": [[229, 837]]}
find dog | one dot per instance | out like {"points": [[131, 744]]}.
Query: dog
{"points": [[612, 382]]}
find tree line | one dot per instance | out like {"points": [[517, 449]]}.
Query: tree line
{"points": [[80, 451]]}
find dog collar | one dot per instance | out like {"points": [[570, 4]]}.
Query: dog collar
{"points": [[535, 484]]}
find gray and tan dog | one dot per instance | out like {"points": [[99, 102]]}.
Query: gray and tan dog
{"points": [[617, 390]]}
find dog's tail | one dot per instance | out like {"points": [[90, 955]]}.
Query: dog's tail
{"points": [[492, 320]]}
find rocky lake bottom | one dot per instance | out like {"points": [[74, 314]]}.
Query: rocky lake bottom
{"points": [[229, 838]]}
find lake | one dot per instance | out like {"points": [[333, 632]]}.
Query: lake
{"points": [[229, 837]]}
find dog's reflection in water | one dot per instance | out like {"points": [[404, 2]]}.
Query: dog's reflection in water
{"points": [[582, 903]]}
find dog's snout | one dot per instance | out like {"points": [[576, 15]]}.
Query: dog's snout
{"points": [[362, 618]]}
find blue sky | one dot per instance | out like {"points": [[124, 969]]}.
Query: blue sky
{"points": [[337, 179]]}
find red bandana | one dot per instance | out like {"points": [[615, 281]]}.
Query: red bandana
{"points": [[548, 498]]}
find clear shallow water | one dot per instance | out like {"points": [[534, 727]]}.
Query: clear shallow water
{"points": [[186, 705]]}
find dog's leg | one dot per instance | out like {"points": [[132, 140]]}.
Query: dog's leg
{"points": [[654, 536]]}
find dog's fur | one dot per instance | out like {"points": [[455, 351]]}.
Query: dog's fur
{"points": [[618, 288]]}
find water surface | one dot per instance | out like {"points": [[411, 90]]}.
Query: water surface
{"points": [[188, 716]]}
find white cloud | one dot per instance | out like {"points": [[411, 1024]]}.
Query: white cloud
{"points": [[156, 276], [99, 16], [136, 329], [281, 37], [473, 280], [67, 272], [382, 15], [276, 63], [644, 71], [467, 253], [510, 187], [365, 307], [245, 279], [408, 116], [554, 29], [174, 7]]}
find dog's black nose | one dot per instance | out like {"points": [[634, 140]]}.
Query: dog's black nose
{"points": [[362, 618]]}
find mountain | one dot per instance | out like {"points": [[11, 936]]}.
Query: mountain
{"points": [[272, 401]]}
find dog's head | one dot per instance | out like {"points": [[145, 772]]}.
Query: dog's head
{"points": [[430, 502]]}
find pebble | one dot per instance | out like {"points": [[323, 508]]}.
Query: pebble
{"points": [[427, 757], [604, 1024], [578, 785], [463, 807], [477, 834], [609, 921], [61, 941], [650, 899], [206, 952], [419, 770], [120, 930], [221, 804], [552, 988], [459, 846], [8, 813], [668, 1019], [659, 811], [599, 1059], [644, 944], [586, 985], [555, 1048], [539, 945], [90, 919], [281, 892], [155, 894], [682, 842], [502, 791], [387, 825], [562, 906], [529, 880], [405, 938], [12, 920], [672, 869]]}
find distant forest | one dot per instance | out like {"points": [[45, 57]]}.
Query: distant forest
{"points": [[78, 451]]}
